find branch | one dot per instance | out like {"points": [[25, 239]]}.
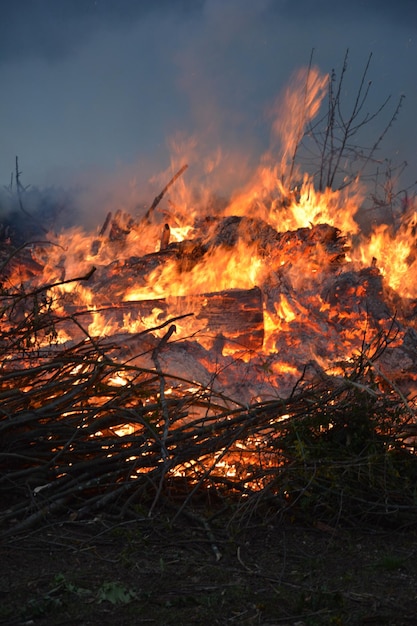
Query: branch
{"points": [[158, 198]]}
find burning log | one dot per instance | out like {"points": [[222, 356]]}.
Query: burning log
{"points": [[364, 289], [255, 232], [232, 318], [322, 244]]}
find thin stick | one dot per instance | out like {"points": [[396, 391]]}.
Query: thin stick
{"points": [[165, 411], [105, 224], [19, 187], [158, 198], [51, 285]]}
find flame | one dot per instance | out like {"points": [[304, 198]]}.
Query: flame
{"points": [[301, 322], [279, 240], [394, 253], [298, 107]]}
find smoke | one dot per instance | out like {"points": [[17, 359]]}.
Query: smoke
{"points": [[106, 97]]}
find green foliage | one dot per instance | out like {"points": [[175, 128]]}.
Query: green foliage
{"points": [[62, 584], [341, 462], [115, 593]]}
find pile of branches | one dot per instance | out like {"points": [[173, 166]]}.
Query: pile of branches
{"points": [[82, 435]]}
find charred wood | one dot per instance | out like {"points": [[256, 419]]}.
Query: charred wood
{"points": [[233, 317], [166, 233], [159, 197]]}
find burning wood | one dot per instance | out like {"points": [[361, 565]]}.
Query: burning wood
{"points": [[87, 425], [159, 197], [233, 318], [309, 304], [237, 345], [82, 433], [165, 237]]}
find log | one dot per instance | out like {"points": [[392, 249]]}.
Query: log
{"points": [[231, 318], [113, 280]]}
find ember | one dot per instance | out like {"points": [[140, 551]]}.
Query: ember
{"points": [[189, 344]]}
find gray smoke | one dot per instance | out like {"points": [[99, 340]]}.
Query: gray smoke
{"points": [[96, 92]]}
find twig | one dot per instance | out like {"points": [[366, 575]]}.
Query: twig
{"points": [[394, 387], [76, 438], [51, 286], [158, 198], [165, 411], [164, 406], [19, 187], [105, 224], [201, 520], [26, 245]]}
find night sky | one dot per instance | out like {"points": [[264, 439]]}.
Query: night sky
{"points": [[102, 89]]}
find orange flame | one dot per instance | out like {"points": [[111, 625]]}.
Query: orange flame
{"points": [[278, 196]]}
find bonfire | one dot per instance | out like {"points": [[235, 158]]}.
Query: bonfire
{"points": [[259, 351]]}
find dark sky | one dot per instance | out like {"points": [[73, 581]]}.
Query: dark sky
{"points": [[105, 85]]}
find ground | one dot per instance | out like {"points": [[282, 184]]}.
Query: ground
{"points": [[274, 572]]}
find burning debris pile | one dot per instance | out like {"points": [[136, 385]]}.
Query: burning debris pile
{"points": [[260, 349], [96, 420]]}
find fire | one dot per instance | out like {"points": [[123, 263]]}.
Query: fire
{"points": [[284, 310], [300, 104], [393, 251], [169, 322], [296, 244]]}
